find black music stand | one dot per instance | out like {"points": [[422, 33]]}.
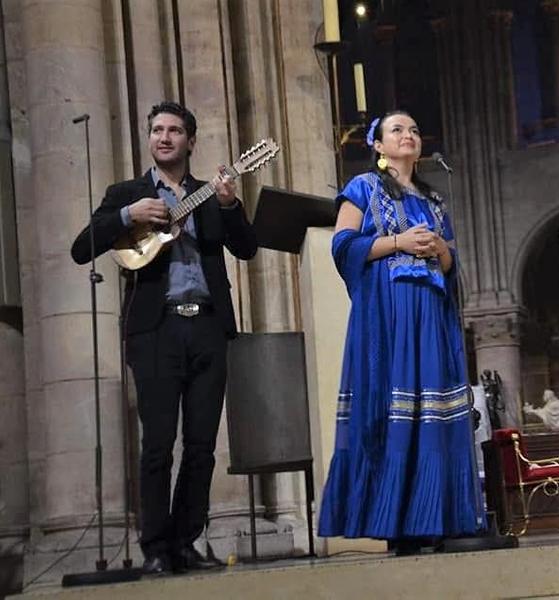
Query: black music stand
{"points": [[267, 405], [268, 413], [282, 218]]}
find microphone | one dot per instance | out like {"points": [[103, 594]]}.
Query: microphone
{"points": [[438, 158], [84, 117]]}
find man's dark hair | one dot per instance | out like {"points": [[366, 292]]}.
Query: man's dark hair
{"points": [[174, 108]]}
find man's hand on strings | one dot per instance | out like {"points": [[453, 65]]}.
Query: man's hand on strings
{"points": [[225, 187]]}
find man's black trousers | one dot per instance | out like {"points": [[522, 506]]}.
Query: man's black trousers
{"points": [[180, 364]]}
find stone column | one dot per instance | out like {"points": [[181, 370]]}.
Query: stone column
{"points": [[14, 501], [501, 125], [463, 210], [497, 344], [384, 34], [308, 147], [14, 504], [479, 153], [500, 22], [65, 71], [261, 112], [115, 61], [9, 273], [306, 153], [14, 472], [551, 8], [455, 136], [147, 59], [259, 105], [478, 173], [14, 476], [440, 28]]}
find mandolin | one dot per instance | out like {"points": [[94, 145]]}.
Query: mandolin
{"points": [[144, 242]]}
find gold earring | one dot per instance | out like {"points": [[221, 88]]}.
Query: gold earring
{"points": [[382, 163]]}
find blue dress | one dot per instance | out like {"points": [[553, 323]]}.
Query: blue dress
{"points": [[403, 464]]}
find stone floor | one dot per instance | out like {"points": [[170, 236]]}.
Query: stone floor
{"points": [[527, 572]]}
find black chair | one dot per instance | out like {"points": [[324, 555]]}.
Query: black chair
{"points": [[268, 414]]}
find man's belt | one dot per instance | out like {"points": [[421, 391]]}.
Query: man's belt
{"points": [[190, 309]]}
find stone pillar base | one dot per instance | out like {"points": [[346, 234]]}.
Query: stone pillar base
{"points": [[230, 539], [40, 555], [11, 565], [497, 343]]}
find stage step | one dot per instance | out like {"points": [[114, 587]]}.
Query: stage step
{"points": [[529, 572]]}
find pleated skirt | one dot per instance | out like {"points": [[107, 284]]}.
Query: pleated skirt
{"points": [[403, 464]]}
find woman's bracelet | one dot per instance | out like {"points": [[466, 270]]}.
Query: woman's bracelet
{"points": [[395, 242], [446, 250]]}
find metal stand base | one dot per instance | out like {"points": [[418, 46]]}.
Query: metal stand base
{"points": [[491, 540], [102, 577], [478, 544], [302, 465]]}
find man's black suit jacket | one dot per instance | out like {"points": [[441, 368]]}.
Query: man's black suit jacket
{"points": [[215, 228]]}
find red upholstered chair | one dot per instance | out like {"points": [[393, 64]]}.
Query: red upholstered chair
{"points": [[524, 476]]}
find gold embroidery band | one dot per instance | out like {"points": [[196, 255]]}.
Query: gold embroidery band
{"points": [[430, 405]]}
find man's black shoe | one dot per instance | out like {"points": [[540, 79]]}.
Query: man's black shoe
{"points": [[407, 547], [189, 559], [156, 565]]}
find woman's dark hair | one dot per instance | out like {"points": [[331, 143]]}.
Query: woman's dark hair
{"points": [[390, 183], [188, 119]]}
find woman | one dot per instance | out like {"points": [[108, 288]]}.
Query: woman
{"points": [[402, 469]]}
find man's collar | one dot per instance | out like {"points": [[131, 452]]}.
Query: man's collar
{"points": [[158, 182]]}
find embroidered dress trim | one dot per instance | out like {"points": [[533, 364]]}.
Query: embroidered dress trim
{"points": [[343, 408], [375, 210], [382, 206], [426, 406], [389, 217], [408, 260], [438, 215], [401, 213]]}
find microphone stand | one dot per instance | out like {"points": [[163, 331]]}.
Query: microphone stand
{"points": [[123, 323], [101, 575], [491, 540]]}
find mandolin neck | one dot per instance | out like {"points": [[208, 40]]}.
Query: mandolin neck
{"points": [[188, 204]]}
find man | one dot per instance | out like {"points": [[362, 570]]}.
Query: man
{"points": [[179, 316]]}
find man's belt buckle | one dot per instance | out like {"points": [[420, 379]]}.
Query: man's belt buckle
{"points": [[188, 310]]}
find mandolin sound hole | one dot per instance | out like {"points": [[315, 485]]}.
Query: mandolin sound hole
{"points": [[163, 228]]}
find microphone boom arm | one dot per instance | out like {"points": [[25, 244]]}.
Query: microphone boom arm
{"points": [[438, 158]]}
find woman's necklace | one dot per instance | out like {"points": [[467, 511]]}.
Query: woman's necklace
{"points": [[412, 189]]}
